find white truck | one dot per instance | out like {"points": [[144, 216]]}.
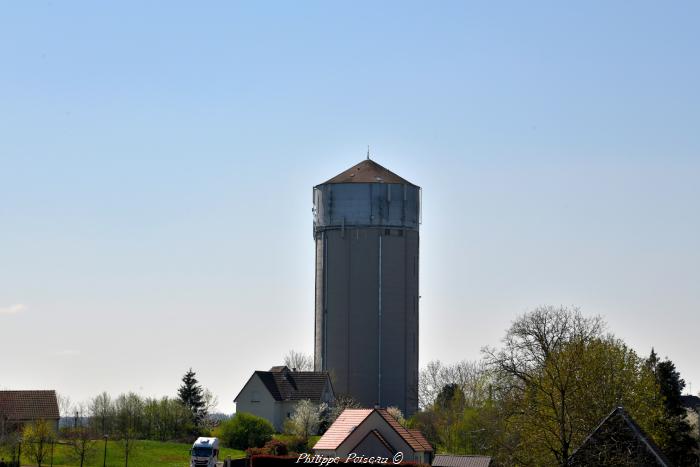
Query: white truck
{"points": [[204, 452]]}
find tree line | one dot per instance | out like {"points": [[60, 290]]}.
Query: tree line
{"points": [[126, 418], [534, 399], [131, 415]]}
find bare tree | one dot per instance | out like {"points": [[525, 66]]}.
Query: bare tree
{"points": [[472, 378], [210, 403], [298, 361], [101, 412], [65, 406], [81, 442]]}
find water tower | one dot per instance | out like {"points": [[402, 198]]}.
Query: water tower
{"points": [[366, 223]]}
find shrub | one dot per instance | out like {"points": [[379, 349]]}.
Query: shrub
{"points": [[245, 430], [275, 447], [296, 444]]}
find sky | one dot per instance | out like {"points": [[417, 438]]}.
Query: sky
{"points": [[157, 161]]}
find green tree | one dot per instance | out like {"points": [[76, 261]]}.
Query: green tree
{"points": [[191, 395], [166, 419], [38, 438], [676, 439], [10, 441], [558, 375], [458, 411], [244, 430], [449, 398], [129, 419]]}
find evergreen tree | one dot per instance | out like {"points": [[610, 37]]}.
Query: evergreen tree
{"points": [[678, 445], [446, 396], [191, 395]]}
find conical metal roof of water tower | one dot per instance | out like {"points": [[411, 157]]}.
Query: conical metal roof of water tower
{"points": [[368, 171]]}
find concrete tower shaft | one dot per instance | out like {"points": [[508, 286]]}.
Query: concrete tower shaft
{"points": [[366, 224]]}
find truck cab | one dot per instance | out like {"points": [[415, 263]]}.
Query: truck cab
{"points": [[204, 452]]}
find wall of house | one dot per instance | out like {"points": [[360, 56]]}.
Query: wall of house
{"points": [[10, 426], [276, 412], [372, 446], [265, 406], [286, 409], [328, 396], [694, 421]]}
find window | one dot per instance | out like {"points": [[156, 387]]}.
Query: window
{"points": [[255, 397]]}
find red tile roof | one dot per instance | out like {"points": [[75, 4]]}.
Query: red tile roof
{"points": [[342, 427], [417, 445], [352, 418], [420, 439], [29, 405]]}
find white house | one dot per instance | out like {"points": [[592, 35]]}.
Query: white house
{"points": [[274, 394], [373, 433]]}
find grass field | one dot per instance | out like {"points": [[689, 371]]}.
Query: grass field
{"points": [[145, 454]]}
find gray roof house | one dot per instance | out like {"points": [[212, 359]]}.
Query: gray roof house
{"points": [[20, 407], [451, 460], [618, 441], [273, 395]]}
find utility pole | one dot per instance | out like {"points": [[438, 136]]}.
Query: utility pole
{"points": [[104, 460]]}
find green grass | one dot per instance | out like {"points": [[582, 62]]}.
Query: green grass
{"points": [[145, 454]]}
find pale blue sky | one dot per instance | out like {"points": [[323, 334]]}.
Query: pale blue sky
{"points": [[157, 159]]}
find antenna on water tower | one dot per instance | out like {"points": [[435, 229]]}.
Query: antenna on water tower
{"points": [[368, 152]]}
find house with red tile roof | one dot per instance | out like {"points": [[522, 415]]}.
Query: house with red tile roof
{"points": [[373, 433], [18, 408], [273, 395]]}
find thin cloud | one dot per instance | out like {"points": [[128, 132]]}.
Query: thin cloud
{"points": [[13, 309], [68, 353]]}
